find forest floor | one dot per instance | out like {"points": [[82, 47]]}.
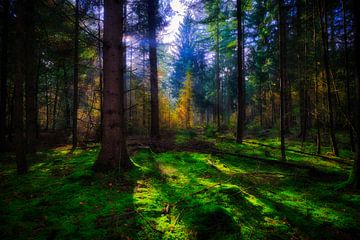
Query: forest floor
{"points": [[194, 187]]}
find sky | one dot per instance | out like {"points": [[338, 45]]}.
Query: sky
{"points": [[179, 9]]}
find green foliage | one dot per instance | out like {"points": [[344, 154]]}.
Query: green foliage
{"points": [[210, 130]]}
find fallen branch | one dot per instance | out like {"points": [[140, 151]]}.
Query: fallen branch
{"points": [[303, 153]]}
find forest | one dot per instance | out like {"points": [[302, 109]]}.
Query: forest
{"points": [[180, 119]]}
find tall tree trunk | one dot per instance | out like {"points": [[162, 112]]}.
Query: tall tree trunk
{"points": [[56, 98], [30, 79], [240, 79], [154, 88], [283, 73], [25, 13], [355, 175], [316, 87], [47, 104], [126, 84], [324, 34], [217, 77], [3, 66], [76, 78], [113, 154], [66, 98], [306, 116], [100, 72], [347, 75]]}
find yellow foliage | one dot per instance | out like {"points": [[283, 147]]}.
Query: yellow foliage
{"points": [[184, 109]]}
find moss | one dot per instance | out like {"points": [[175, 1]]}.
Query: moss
{"points": [[179, 195]]}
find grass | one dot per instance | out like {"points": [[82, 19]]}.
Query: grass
{"points": [[180, 195]]}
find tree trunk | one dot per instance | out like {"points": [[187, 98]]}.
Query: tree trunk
{"points": [[100, 73], [355, 175], [283, 73], [306, 117], [24, 12], [240, 79], [324, 34], [347, 75], [217, 77], [30, 81], [316, 87], [67, 114], [3, 66], [56, 98], [113, 154], [154, 88], [76, 78], [126, 85]]}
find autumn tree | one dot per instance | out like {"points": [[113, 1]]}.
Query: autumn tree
{"points": [[184, 107]]}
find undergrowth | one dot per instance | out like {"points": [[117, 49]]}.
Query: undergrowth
{"points": [[180, 195]]}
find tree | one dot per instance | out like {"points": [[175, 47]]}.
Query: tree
{"points": [[30, 82], [354, 179], [325, 47], [4, 75], [113, 153], [76, 78], [283, 69], [240, 78], [184, 108], [24, 37], [154, 88]]}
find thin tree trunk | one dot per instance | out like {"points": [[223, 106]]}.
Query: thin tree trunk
{"points": [[240, 79], [56, 97], [100, 74], [283, 73], [4, 73], [306, 97], [113, 154], [76, 78], [317, 117], [347, 74], [47, 104], [126, 87], [144, 94], [66, 98], [354, 179], [37, 79], [323, 21], [217, 77], [154, 88]]}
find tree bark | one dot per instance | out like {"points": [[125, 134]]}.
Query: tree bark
{"points": [[355, 175], [316, 87], [283, 73], [76, 78], [154, 88], [24, 12], [240, 79], [56, 98], [30, 78], [324, 34], [347, 75], [113, 154], [99, 46], [217, 77], [3, 66]]}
